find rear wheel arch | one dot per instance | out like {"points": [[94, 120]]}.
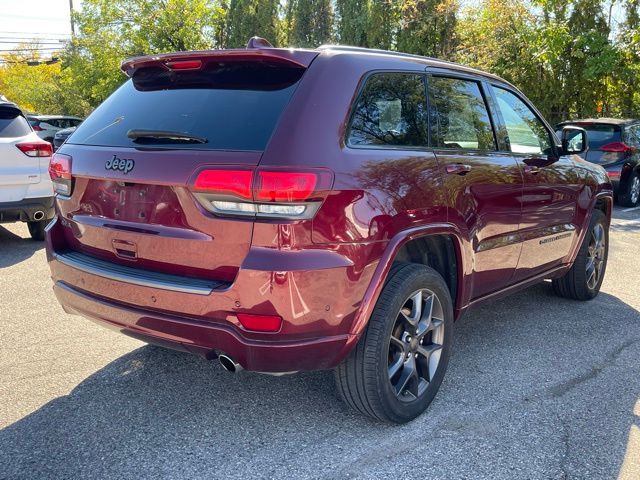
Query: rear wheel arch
{"points": [[390, 258], [604, 203], [439, 252]]}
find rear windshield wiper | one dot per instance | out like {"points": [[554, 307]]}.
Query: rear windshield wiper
{"points": [[162, 136]]}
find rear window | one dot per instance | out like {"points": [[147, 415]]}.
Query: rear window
{"points": [[600, 135], [12, 124], [390, 112], [234, 106]]}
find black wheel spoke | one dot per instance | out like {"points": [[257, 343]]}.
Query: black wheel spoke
{"points": [[395, 367], [399, 344], [595, 255], [408, 374]]}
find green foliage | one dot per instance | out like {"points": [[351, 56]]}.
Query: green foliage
{"points": [[428, 27], [560, 53], [246, 18], [352, 21], [312, 23], [384, 22]]}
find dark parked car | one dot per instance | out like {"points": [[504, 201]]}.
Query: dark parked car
{"points": [[284, 210], [615, 144], [46, 126], [61, 136]]}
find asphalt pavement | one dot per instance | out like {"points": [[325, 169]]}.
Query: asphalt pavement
{"points": [[538, 387]]}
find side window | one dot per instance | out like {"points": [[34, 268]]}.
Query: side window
{"points": [[459, 116], [390, 111], [527, 134]]}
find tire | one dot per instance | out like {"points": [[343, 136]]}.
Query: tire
{"points": [[364, 379], [36, 229], [631, 197], [577, 283]]}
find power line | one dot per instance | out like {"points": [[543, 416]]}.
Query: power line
{"points": [[21, 50], [39, 43], [37, 33]]}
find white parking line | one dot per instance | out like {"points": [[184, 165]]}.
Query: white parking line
{"points": [[631, 209]]}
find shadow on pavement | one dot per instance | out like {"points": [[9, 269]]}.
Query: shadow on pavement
{"points": [[533, 379], [15, 249]]}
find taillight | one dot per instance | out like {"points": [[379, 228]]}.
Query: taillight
{"points": [[60, 173], [285, 186], [617, 147], [37, 128], [185, 65], [35, 149], [236, 183], [263, 193]]}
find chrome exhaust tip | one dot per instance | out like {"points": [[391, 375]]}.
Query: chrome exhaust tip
{"points": [[229, 364], [38, 215]]}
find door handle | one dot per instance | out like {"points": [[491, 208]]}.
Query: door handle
{"points": [[458, 169], [533, 170]]}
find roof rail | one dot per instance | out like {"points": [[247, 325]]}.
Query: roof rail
{"points": [[348, 48]]}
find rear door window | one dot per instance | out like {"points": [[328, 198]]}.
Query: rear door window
{"points": [[460, 118], [390, 112], [234, 106], [12, 124]]}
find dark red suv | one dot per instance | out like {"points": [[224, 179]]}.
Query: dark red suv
{"points": [[286, 210]]}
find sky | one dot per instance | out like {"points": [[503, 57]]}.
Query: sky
{"points": [[47, 20]]}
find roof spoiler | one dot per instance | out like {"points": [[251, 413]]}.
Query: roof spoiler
{"points": [[258, 50], [11, 107]]}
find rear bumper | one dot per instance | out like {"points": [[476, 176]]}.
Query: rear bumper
{"points": [[202, 337], [318, 304], [25, 210]]}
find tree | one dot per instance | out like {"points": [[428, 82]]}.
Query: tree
{"points": [[247, 18], [627, 78], [352, 22], [112, 30], [34, 87], [428, 27], [312, 22], [384, 22]]}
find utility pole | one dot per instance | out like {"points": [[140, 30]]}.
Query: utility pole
{"points": [[73, 28]]}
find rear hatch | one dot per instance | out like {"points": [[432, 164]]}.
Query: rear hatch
{"points": [[136, 159], [605, 143]]}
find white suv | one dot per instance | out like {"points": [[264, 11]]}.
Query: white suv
{"points": [[26, 191]]}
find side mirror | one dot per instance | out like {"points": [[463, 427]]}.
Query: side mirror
{"points": [[574, 140]]}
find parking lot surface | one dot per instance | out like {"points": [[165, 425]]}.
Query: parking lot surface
{"points": [[537, 387]]}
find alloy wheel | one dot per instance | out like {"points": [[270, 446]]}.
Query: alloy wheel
{"points": [[595, 255], [415, 345], [635, 189]]}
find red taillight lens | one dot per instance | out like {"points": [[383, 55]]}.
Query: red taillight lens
{"points": [[60, 173], [266, 193], [185, 65], [236, 183], [35, 149], [614, 174], [617, 147], [275, 186], [37, 128], [260, 323]]}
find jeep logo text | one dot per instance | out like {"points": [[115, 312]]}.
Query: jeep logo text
{"points": [[125, 165]]}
